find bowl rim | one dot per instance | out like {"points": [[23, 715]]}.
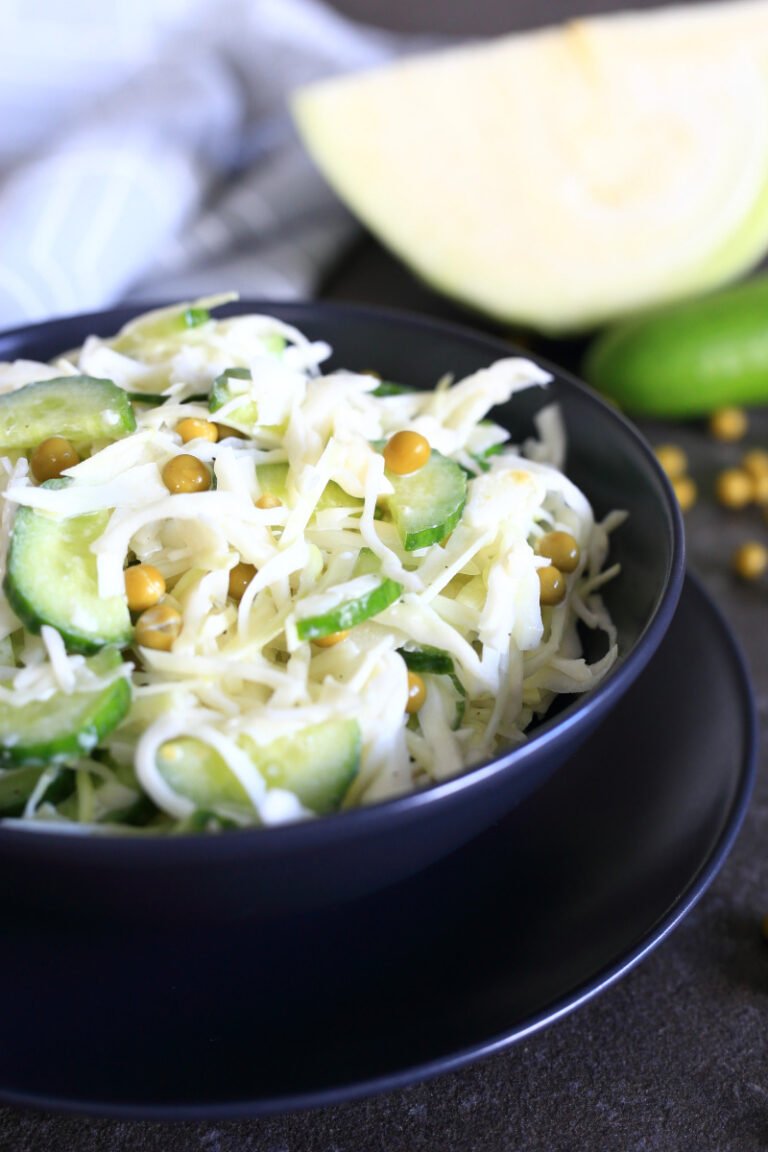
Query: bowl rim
{"points": [[353, 822]]}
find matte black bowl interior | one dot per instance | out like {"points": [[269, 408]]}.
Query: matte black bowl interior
{"points": [[291, 869]]}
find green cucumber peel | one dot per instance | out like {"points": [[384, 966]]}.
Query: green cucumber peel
{"points": [[483, 459], [273, 480], [221, 392], [390, 388], [434, 662], [151, 399], [202, 820], [79, 408], [68, 725], [426, 505], [195, 317], [18, 784], [428, 659], [350, 612]]}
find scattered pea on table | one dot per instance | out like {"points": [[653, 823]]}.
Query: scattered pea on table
{"points": [[736, 487], [750, 560], [728, 424]]}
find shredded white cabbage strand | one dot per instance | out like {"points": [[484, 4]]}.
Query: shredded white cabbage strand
{"points": [[240, 674]]}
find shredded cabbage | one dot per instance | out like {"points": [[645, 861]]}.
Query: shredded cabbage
{"points": [[238, 672]]}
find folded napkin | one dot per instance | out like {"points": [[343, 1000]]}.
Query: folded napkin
{"points": [[146, 151]]}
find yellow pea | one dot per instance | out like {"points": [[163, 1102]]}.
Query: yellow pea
{"points": [[158, 627], [191, 429], [417, 692], [728, 424], [406, 452], [750, 561], [551, 585], [51, 458], [144, 586], [185, 473]]}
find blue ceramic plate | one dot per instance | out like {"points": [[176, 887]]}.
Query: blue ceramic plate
{"points": [[428, 975]]}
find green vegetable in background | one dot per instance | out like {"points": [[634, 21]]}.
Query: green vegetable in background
{"points": [[687, 359]]}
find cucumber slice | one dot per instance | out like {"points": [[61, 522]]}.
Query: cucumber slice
{"points": [[223, 391], [66, 726], [342, 608], [51, 579], [317, 764], [150, 399], [432, 661], [427, 504], [162, 326], [194, 317], [18, 784], [273, 478], [196, 771], [436, 662], [367, 562], [334, 496], [389, 388], [80, 408], [225, 387]]}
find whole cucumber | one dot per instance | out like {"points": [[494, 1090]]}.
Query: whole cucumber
{"points": [[687, 359]]}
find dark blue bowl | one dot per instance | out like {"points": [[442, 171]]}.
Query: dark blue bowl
{"points": [[288, 870]]}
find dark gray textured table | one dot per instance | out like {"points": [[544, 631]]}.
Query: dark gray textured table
{"points": [[674, 1056]]}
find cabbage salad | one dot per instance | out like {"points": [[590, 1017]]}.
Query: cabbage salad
{"points": [[241, 590]]}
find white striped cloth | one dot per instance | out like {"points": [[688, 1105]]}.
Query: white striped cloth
{"points": [[146, 150]]}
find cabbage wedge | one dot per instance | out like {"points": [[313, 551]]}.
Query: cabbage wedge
{"points": [[559, 178]]}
